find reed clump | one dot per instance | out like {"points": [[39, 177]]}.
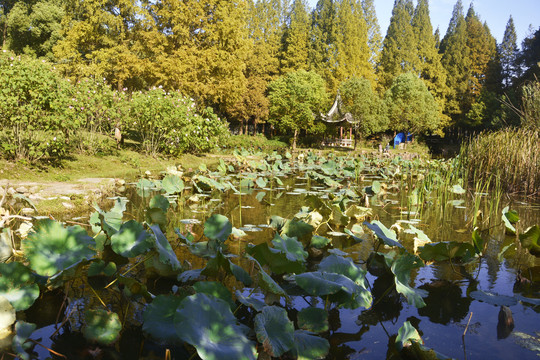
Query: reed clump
{"points": [[512, 156]]}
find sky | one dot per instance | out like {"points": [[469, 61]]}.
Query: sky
{"points": [[494, 12]]}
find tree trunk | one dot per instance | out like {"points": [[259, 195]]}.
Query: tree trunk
{"points": [[294, 139]]}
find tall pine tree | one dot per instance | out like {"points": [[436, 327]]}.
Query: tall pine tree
{"points": [[296, 39], [398, 55], [374, 32], [429, 59], [508, 51]]}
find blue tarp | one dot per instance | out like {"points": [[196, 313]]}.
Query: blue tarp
{"points": [[401, 138]]}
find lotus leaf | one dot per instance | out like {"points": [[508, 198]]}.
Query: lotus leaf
{"points": [[215, 289], [158, 317], [190, 275], [23, 332], [145, 187], [219, 263], [208, 324], [387, 236], [299, 229], [53, 248], [530, 239], [156, 216], [358, 212], [166, 253], [313, 319], [406, 335], [260, 195], [108, 221], [319, 242], [402, 268], [131, 240], [18, 285], [5, 244], [101, 267], [344, 266], [266, 282], [309, 347], [102, 326], [457, 189], [338, 217], [447, 250], [478, 242], [7, 315], [261, 182], [293, 249], [172, 184], [510, 218], [493, 299], [255, 303], [274, 330], [276, 259], [159, 201], [217, 227]]}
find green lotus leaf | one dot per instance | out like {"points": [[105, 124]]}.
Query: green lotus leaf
{"points": [[387, 236], [358, 212], [260, 195], [207, 183], [101, 267], [255, 303], [274, 330], [159, 201], [17, 285], [217, 227], [338, 217], [108, 221], [344, 266], [493, 299], [215, 289], [319, 242], [406, 335], [310, 347], [530, 239], [276, 259], [7, 314], [166, 253], [376, 187], [298, 229], [402, 268], [208, 324], [478, 242], [53, 247], [313, 319], [261, 182], [23, 332], [145, 187], [343, 290], [293, 249], [102, 326], [510, 218], [158, 317], [156, 216], [447, 250], [219, 263], [131, 240], [266, 282], [172, 184]]}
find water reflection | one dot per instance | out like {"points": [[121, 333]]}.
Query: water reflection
{"points": [[445, 302]]}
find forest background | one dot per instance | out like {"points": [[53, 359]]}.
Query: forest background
{"points": [[175, 75]]}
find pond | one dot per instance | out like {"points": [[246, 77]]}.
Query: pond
{"points": [[430, 260]]}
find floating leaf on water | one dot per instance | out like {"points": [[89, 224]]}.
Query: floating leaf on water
{"points": [[53, 247], [238, 233], [172, 184], [102, 326], [251, 301], [527, 341], [293, 249], [159, 201], [217, 227], [402, 268], [457, 189], [530, 239], [208, 324], [387, 236], [190, 221], [493, 299], [308, 346], [7, 315], [23, 332], [274, 330], [313, 319], [260, 195], [319, 242], [457, 203], [190, 275], [406, 335], [510, 218], [447, 250], [131, 240], [265, 281]]}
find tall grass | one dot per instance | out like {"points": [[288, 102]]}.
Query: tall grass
{"points": [[510, 156]]}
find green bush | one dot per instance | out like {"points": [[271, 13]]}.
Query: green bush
{"points": [[168, 122], [33, 103], [258, 141]]}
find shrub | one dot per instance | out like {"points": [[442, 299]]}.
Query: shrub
{"points": [[258, 141], [33, 105]]}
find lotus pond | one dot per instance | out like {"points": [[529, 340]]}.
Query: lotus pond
{"points": [[279, 256]]}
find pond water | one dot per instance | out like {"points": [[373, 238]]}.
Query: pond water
{"points": [[456, 301]]}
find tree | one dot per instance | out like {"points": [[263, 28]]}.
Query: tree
{"points": [[374, 32], [528, 61], [296, 39], [322, 56], [455, 59], [429, 60], [351, 42], [398, 55], [365, 106], [508, 52], [411, 107], [295, 99]]}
